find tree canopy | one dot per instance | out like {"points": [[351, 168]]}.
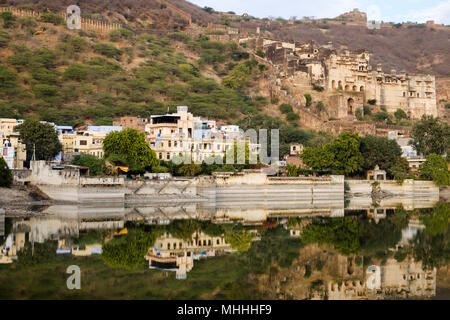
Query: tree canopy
{"points": [[435, 168], [341, 156], [430, 135], [129, 146], [379, 151], [41, 135]]}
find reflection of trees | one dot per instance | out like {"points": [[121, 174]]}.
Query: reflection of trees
{"points": [[129, 251], [433, 251], [436, 221], [342, 233], [183, 229], [351, 235]]}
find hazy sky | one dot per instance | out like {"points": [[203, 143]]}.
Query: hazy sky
{"points": [[385, 10]]}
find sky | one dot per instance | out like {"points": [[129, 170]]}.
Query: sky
{"points": [[382, 10]]}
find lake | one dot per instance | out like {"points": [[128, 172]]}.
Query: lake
{"points": [[326, 249]]}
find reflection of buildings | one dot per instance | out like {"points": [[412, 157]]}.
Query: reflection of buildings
{"points": [[174, 254], [393, 280], [13, 244], [77, 250], [350, 280]]}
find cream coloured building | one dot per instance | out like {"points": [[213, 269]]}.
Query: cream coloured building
{"points": [[349, 79], [174, 254], [181, 135], [13, 151]]}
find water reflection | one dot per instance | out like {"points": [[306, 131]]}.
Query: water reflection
{"points": [[387, 250]]}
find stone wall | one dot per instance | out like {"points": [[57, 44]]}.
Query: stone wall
{"points": [[408, 187]]}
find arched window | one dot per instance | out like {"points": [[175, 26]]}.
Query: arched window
{"points": [[361, 89], [333, 84], [354, 88], [347, 87]]}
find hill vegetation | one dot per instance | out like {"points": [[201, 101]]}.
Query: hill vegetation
{"points": [[79, 77]]}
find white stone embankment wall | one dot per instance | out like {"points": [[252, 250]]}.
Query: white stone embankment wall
{"points": [[408, 187]]}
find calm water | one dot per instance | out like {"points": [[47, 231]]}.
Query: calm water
{"points": [[398, 249]]}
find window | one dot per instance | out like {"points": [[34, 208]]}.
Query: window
{"points": [[160, 156], [83, 143], [168, 156]]}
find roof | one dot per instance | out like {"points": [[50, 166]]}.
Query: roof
{"points": [[166, 115]]}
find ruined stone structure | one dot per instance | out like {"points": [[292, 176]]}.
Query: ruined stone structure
{"points": [[348, 78]]}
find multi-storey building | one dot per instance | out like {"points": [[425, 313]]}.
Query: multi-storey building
{"points": [[87, 142], [131, 122], [349, 79], [13, 151], [183, 135]]}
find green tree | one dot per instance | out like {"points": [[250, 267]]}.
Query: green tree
{"points": [[347, 157], [5, 174], [379, 151], [399, 169], [130, 146], [238, 77], [318, 158], [41, 136], [435, 168], [430, 135], [400, 114], [96, 166]]}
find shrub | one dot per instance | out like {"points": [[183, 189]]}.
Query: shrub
{"points": [[292, 116], [261, 54], [359, 114], [372, 102], [8, 19], [52, 18], [4, 38], [382, 116], [367, 110], [317, 87], [75, 72], [108, 50], [308, 99], [400, 114], [320, 106], [285, 108]]}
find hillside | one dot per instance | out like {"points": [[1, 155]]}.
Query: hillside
{"points": [[413, 48], [76, 78]]}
